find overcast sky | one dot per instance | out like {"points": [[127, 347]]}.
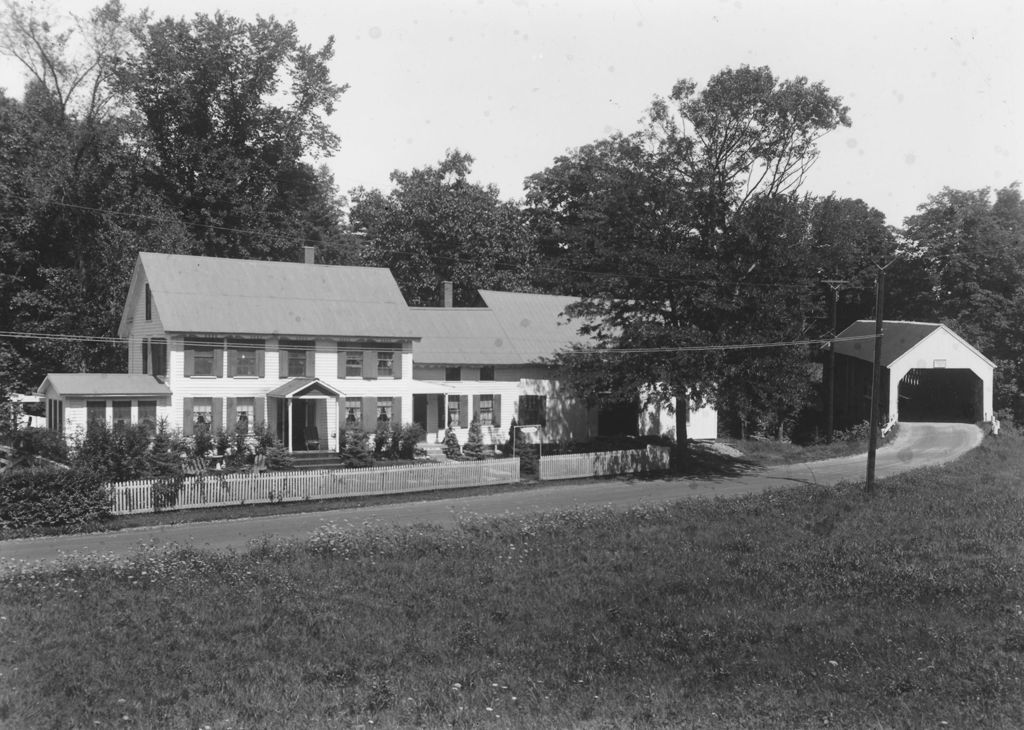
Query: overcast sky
{"points": [[934, 86]]}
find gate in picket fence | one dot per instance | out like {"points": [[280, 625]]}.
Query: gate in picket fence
{"points": [[222, 490], [604, 463]]}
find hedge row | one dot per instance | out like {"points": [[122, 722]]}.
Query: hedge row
{"points": [[51, 497]]}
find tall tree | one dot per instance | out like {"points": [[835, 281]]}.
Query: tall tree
{"points": [[230, 111], [436, 225], [688, 226]]}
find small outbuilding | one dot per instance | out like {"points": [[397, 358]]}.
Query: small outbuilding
{"points": [[929, 373]]}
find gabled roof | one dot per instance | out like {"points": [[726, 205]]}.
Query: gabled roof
{"points": [[297, 387], [103, 384], [513, 329], [898, 338], [227, 296]]}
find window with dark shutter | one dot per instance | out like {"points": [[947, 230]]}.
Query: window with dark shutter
{"points": [[149, 304], [453, 373], [158, 350]]}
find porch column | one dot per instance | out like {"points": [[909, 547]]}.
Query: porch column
{"points": [[289, 425]]}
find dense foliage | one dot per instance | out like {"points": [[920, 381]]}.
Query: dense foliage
{"points": [[51, 497]]}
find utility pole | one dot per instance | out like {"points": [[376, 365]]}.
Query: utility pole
{"points": [[830, 405], [876, 378]]}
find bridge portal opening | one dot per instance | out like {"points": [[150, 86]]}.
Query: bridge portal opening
{"points": [[952, 395]]}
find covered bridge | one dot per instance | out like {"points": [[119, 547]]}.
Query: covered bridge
{"points": [[929, 373]]}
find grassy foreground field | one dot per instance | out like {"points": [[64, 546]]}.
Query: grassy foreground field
{"points": [[809, 607]]}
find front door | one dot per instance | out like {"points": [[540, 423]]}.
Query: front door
{"points": [[303, 423]]}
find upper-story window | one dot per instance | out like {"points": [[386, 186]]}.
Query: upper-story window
{"points": [[487, 372], [203, 358], [297, 358], [453, 373], [353, 364], [385, 364], [149, 304], [245, 359], [158, 356]]}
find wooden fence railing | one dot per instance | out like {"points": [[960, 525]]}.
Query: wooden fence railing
{"points": [[604, 463], [215, 490]]}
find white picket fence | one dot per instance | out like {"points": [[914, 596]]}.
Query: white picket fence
{"points": [[604, 463], [214, 490]]}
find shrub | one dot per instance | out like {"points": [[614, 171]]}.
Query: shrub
{"points": [[52, 497], [382, 439], [408, 438], [355, 450], [474, 448], [118, 454], [31, 442], [166, 490], [451, 444]]}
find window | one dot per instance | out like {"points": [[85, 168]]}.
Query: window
{"points": [[297, 358], [202, 415], [454, 413], [384, 410], [353, 412], [385, 364], [95, 414], [122, 414], [158, 351], [532, 410], [147, 415], [487, 372], [245, 359], [454, 373], [149, 304], [203, 358], [244, 416], [487, 410], [145, 356], [353, 364]]}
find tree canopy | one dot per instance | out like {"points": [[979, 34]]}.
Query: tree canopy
{"points": [[436, 225], [688, 234]]}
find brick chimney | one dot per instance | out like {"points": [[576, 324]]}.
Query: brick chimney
{"points": [[310, 254], [448, 294]]}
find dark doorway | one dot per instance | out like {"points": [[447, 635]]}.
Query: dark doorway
{"points": [[419, 410], [941, 395], [303, 422]]}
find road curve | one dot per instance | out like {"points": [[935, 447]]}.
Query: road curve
{"points": [[917, 445]]}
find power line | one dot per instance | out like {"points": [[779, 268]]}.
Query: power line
{"points": [[241, 345]]}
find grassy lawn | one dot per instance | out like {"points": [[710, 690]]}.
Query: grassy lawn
{"points": [[808, 607]]}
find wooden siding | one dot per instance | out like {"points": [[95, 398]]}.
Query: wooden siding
{"points": [[140, 329]]}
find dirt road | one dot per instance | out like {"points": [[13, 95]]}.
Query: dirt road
{"points": [[918, 444]]}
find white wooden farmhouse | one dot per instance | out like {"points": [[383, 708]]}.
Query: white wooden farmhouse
{"points": [[311, 349], [929, 373]]}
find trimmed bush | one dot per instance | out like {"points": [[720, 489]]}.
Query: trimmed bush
{"points": [[355, 450], [408, 438], [51, 497], [474, 448], [451, 445]]}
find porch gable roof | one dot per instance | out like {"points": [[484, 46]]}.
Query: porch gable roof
{"points": [[297, 387], [107, 385]]}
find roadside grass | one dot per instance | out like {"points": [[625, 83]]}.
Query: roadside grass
{"points": [[805, 607]]}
